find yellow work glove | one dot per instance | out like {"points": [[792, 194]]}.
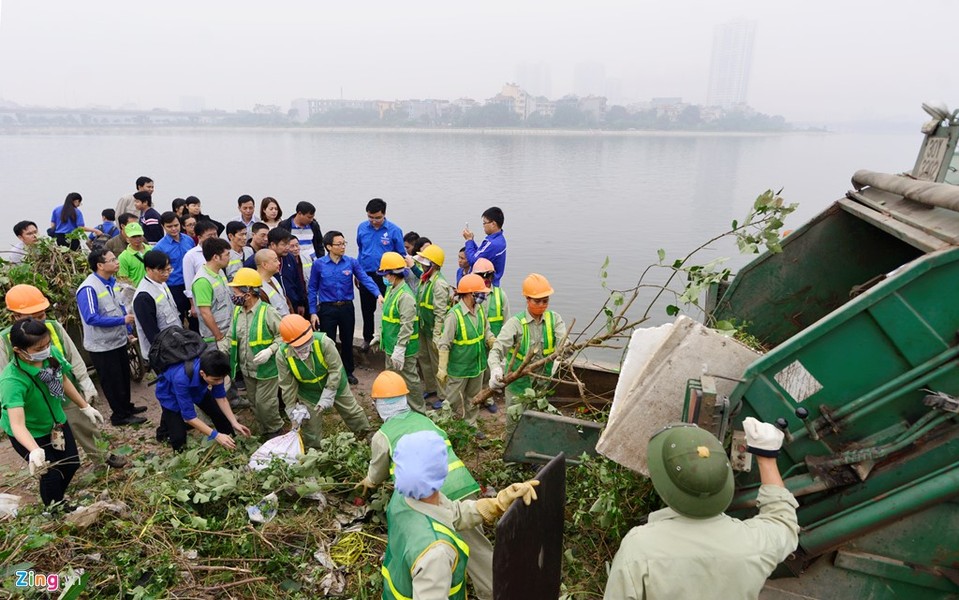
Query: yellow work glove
{"points": [[490, 341], [366, 485], [492, 509], [444, 363]]}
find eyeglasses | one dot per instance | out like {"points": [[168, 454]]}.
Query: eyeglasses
{"points": [[111, 260], [340, 244], [485, 222], [375, 219]]}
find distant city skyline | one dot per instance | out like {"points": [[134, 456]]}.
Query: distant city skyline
{"points": [[234, 55]]}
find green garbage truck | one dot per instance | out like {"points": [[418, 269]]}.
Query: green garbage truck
{"points": [[861, 312]]}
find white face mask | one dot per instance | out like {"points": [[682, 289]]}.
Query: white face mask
{"points": [[390, 407], [302, 352], [38, 356]]}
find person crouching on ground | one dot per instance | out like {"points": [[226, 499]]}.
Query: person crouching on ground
{"points": [[33, 387], [426, 558], [198, 382], [311, 371], [389, 396]]}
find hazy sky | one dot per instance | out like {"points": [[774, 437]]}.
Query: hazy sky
{"points": [[815, 60]]}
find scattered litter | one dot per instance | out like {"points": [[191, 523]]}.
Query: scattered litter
{"points": [[348, 514], [264, 510], [333, 584], [9, 505], [298, 414], [85, 516], [349, 547], [322, 556], [288, 447], [93, 558], [188, 554]]}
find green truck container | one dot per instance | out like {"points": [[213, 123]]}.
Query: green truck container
{"points": [[861, 312]]}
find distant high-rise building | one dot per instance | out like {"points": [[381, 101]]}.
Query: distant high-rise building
{"points": [[731, 61], [192, 103], [535, 78], [589, 79]]}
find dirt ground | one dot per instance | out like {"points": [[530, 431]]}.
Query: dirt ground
{"points": [[140, 438]]}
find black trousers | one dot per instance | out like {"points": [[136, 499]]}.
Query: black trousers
{"points": [[342, 317], [183, 306], [64, 464], [176, 427], [368, 305], [63, 241], [113, 369]]}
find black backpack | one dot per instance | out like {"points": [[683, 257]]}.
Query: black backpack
{"points": [[173, 346]]}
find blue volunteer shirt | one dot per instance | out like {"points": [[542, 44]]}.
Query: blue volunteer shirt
{"points": [[492, 249], [372, 243], [333, 282], [61, 227], [175, 250], [180, 393]]}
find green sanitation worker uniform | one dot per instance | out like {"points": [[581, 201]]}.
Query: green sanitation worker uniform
{"points": [[254, 340], [427, 556], [25, 301], [389, 396], [536, 332], [463, 346], [692, 549], [399, 327], [433, 300], [311, 371]]}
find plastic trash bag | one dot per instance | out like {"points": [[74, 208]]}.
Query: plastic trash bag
{"points": [[288, 447], [264, 510]]}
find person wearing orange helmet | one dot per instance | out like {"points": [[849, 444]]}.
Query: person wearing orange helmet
{"points": [[26, 301], [497, 310], [254, 330], [433, 298], [311, 372], [389, 397], [536, 333], [399, 335], [463, 346]]}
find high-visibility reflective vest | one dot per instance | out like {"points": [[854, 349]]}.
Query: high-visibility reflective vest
{"points": [[259, 338], [391, 322], [468, 352], [103, 339], [411, 533], [494, 310], [459, 483], [311, 374], [424, 302], [516, 356], [220, 303]]}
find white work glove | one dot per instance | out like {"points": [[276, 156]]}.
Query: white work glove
{"points": [[375, 342], [762, 439], [398, 358], [496, 378], [224, 344], [93, 414], [262, 357], [326, 399], [38, 462], [90, 396]]}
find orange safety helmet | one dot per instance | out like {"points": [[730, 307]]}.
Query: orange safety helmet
{"points": [[471, 283], [482, 265], [536, 286], [388, 384], [295, 330], [25, 299]]}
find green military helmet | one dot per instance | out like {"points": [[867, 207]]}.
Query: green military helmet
{"points": [[690, 470]]}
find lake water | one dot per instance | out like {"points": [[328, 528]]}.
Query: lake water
{"points": [[570, 200]]}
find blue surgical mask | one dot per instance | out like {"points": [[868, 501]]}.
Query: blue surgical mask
{"points": [[479, 297]]}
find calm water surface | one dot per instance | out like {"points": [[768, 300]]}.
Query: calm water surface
{"points": [[570, 200]]}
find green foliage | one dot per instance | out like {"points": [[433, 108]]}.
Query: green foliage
{"points": [[56, 270]]}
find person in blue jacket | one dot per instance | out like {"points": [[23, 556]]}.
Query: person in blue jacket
{"points": [[198, 382], [493, 247]]}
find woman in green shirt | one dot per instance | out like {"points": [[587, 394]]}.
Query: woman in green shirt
{"points": [[32, 390]]}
